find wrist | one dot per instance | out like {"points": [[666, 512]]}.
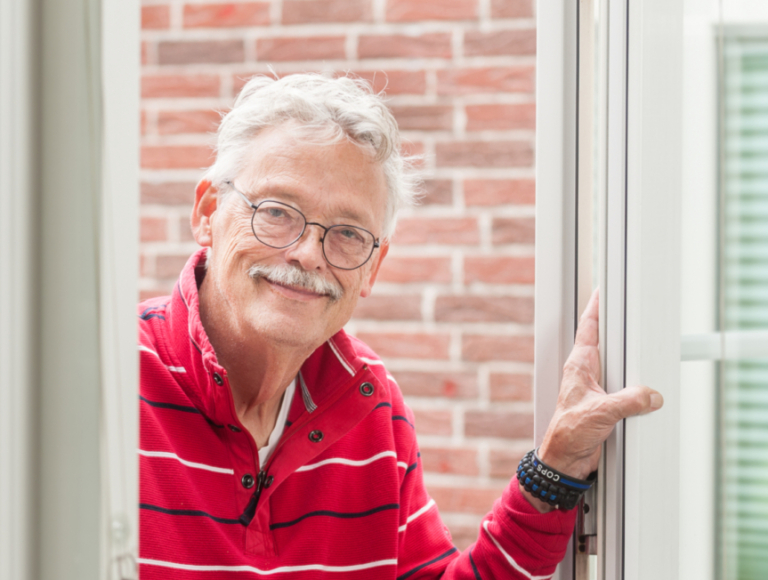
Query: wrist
{"points": [[549, 485]]}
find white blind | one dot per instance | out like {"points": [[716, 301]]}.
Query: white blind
{"points": [[744, 278]]}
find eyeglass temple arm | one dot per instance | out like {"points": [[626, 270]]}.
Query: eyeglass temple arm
{"points": [[240, 193]]}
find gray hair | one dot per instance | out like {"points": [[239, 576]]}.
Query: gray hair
{"points": [[329, 108]]}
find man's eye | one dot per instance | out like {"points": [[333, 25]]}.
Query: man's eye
{"points": [[350, 234], [276, 212]]}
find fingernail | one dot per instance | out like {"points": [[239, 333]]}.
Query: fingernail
{"points": [[656, 401]]}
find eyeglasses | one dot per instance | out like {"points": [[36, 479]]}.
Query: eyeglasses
{"points": [[278, 225]]}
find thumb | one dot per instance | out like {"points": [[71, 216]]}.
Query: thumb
{"points": [[632, 401]]}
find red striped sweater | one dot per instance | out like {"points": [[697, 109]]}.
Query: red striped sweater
{"points": [[341, 496]]}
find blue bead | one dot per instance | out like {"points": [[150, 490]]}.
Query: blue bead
{"points": [[543, 492], [535, 487], [553, 497], [527, 480]]}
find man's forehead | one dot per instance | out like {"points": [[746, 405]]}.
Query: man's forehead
{"points": [[339, 177]]}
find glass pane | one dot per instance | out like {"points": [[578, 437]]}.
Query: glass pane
{"points": [[724, 301], [743, 525]]}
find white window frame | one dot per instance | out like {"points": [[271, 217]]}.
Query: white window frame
{"points": [[69, 108], [637, 521]]}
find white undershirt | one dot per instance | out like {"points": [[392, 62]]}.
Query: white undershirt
{"points": [[277, 432]]}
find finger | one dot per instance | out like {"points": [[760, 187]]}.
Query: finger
{"points": [[634, 401], [587, 332]]}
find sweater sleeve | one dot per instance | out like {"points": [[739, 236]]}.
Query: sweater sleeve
{"points": [[515, 541]]}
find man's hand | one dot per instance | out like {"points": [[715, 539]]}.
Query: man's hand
{"points": [[585, 413]]}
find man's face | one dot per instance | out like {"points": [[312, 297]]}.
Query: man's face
{"points": [[331, 185]]}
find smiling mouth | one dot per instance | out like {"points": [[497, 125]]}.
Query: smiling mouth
{"points": [[298, 289]]}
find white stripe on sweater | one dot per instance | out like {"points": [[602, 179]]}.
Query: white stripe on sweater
{"points": [[339, 356], [278, 570], [372, 361], [170, 368], [511, 560], [351, 462], [169, 455], [416, 514]]}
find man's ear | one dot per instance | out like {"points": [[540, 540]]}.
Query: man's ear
{"points": [[206, 198], [367, 287]]}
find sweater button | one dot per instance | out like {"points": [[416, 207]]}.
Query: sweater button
{"points": [[316, 436], [268, 481], [366, 389], [247, 481], [217, 379]]}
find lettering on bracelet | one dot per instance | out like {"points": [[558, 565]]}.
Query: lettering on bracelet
{"points": [[547, 473]]}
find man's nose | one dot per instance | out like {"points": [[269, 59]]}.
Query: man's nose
{"points": [[307, 252]]}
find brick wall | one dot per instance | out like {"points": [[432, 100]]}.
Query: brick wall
{"points": [[452, 312]]}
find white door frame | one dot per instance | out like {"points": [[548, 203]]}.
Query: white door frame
{"points": [[641, 310]]}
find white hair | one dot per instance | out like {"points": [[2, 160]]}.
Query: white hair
{"points": [[331, 109]]}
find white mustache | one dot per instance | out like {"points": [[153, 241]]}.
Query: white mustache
{"points": [[288, 275]]}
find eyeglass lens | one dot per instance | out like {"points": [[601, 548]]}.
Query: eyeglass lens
{"points": [[278, 225]]}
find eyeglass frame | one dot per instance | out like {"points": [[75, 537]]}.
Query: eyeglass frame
{"points": [[376, 241]]}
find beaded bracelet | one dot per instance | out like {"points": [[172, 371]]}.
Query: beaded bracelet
{"points": [[549, 485]]}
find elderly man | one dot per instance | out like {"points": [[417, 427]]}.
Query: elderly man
{"points": [[274, 444]]}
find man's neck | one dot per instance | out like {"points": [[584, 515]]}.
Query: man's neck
{"points": [[259, 372]]}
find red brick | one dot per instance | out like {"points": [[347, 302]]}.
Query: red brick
{"points": [[484, 154], [424, 117], [484, 309], [511, 387], [485, 192], [176, 156], [502, 424], [462, 535], [172, 122], [433, 422], [511, 8], [416, 345], [169, 266], [147, 294], [155, 17], [173, 86], [145, 53], [504, 462], [435, 45], [185, 230], [396, 82], [449, 460], [143, 122], [514, 230], [317, 11], [481, 348], [226, 15], [154, 229], [301, 48], [453, 385], [499, 270], [200, 52], [510, 79], [500, 117], [520, 42], [454, 231], [473, 500], [410, 10], [437, 192], [389, 308], [399, 269], [168, 193]]}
